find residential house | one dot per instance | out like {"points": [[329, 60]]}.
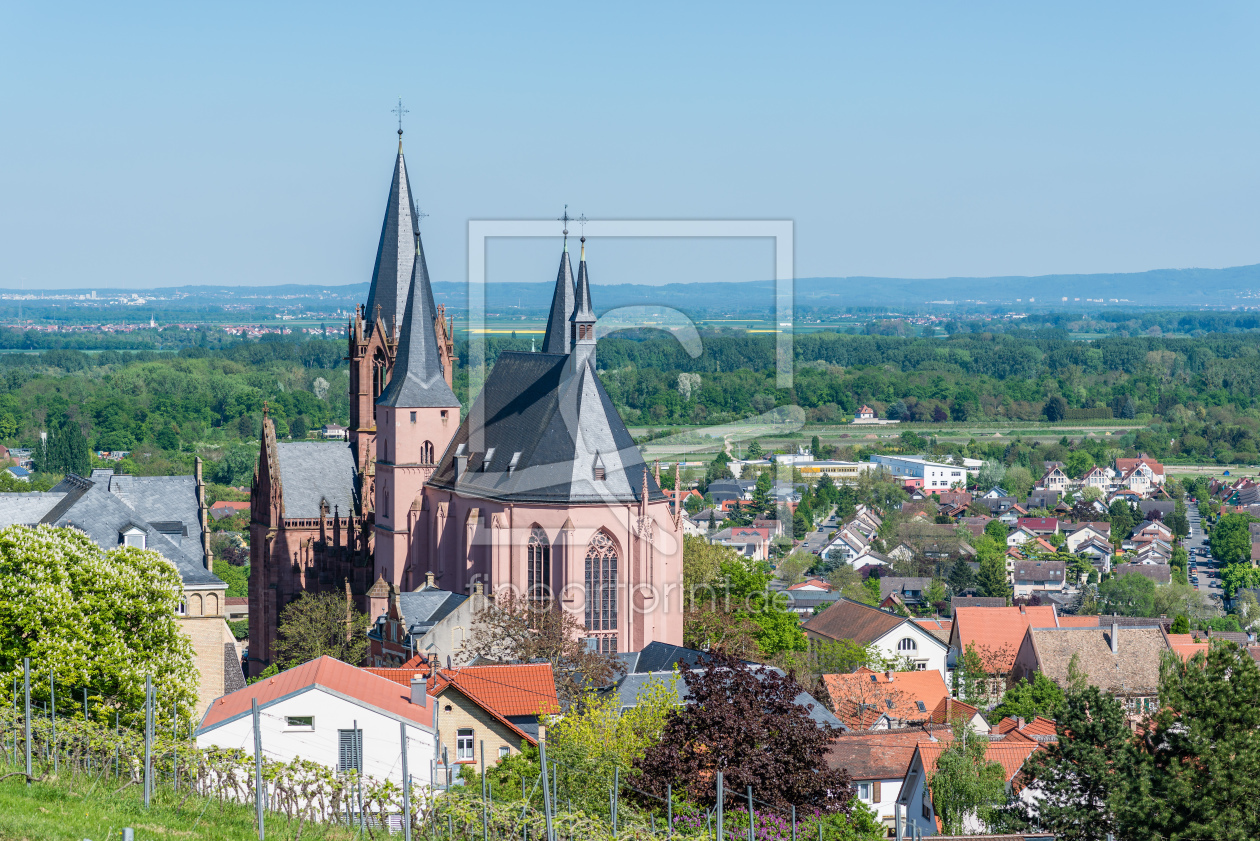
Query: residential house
{"points": [[731, 490], [950, 710], [915, 796], [750, 542], [865, 413], [334, 432], [937, 627], [1098, 551], [225, 508], [1030, 577], [1097, 477], [995, 633], [1044, 498], [976, 601], [995, 492], [19, 473], [1053, 481], [869, 700], [775, 527], [1081, 533], [911, 592], [1039, 526], [325, 711], [890, 634], [811, 585], [877, 762], [1011, 515], [1020, 536], [429, 622], [1123, 661], [847, 544], [975, 525], [501, 707], [1154, 469], [1158, 510]]}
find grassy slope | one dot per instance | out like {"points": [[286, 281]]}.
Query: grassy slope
{"points": [[65, 810]]}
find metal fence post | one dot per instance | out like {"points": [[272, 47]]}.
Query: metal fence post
{"points": [[752, 816], [175, 743], [793, 823], [616, 791], [485, 817], [669, 809], [402, 729], [719, 806], [52, 705], [258, 778], [26, 671], [546, 787], [148, 738]]}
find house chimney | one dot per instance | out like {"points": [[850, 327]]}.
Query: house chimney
{"points": [[428, 579], [1115, 638], [1019, 722], [1022, 609], [889, 674], [477, 589], [461, 465], [418, 692]]}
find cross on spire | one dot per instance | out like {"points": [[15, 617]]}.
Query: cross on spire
{"points": [[582, 220], [400, 111], [565, 220]]}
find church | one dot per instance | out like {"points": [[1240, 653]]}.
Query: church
{"points": [[538, 490]]}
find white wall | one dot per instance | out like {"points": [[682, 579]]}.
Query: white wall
{"points": [[929, 649], [381, 738], [885, 809]]}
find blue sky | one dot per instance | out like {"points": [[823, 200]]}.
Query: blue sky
{"points": [[168, 144]]}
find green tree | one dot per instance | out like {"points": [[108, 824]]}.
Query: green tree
{"points": [[320, 624], [1076, 776], [1180, 625], [960, 576], [1235, 576], [1132, 594], [66, 450], [1028, 700], [1195, 773], [997, 530], [298, 428], [94, 618], [755, 452], [1055, 409], [1079, 462], [991, 579], [1230, 539], [1018, 481], [1124, 516], [965, 782], [762, 502]]}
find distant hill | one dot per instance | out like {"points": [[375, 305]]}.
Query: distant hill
{"points": [[1167, 288]]}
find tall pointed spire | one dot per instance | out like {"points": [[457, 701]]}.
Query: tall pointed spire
{"points": [[396, 252], [417, 380], [556, 339], [583, 318]]}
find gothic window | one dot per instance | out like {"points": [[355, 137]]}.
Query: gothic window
{"points": [[426, 452], [538, 566], [378, 373], [601, 584]]}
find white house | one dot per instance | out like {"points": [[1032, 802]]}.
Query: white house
{"points": [[1019, 537], [890, 634], [915, 797], [1097, 477], [1085, 533], [848, 543], [921, 473], [327, 711]]}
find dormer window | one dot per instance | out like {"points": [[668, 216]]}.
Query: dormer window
{"points": [[485, 462], [134, 536]]}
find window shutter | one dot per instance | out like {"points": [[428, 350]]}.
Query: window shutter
{"points": [[875, 792], [350, 750]]}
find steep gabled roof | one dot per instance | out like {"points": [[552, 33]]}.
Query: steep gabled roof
{"points": [[1133, 669], [395, 254], [549, 426], [511, 690], [417, 379], [850, 620], [999, 630], [350, 682], [875, 755], [1011, 755], [312, 472], [860, 699], [558, 336]]}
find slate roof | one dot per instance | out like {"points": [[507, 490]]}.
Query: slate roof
{"points": [[395, 254], [166, 503], [538, 431], [977, 601], [424, 608], [1132, 670], [233, 677], [1034, 571], [311, 471], [1159, 573], [357, 684], [417, 379], [103, 516], [660, 657], [26, 509], [629, 687], [850, 620], [892, 584], [557, 338]]}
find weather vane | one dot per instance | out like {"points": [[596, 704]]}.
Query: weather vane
{"points": [[565, 220], [400, 111], [420, 214]]}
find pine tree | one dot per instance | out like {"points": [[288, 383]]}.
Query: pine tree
{"points": [[961, 576], [1077, 774]]}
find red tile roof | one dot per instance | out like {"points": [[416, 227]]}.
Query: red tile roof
{"points": [[1010, 755], [233, 601], [401, 676], [1078, 621], [522, 689], [875, 754], [1038, 523], [860, 698], [999, 630], [333, 675], [949, 709]]}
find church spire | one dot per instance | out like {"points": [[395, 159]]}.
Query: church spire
{"points": [[417, 379], [556, 339], [583, 318], [396, 252]]}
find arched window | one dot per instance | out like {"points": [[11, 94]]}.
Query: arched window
{"points": [[426, 452], [538, 566], [601, 584], [907, 644], [378, 373]]}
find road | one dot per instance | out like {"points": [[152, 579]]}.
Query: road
{"points": [[1198, 543]]}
